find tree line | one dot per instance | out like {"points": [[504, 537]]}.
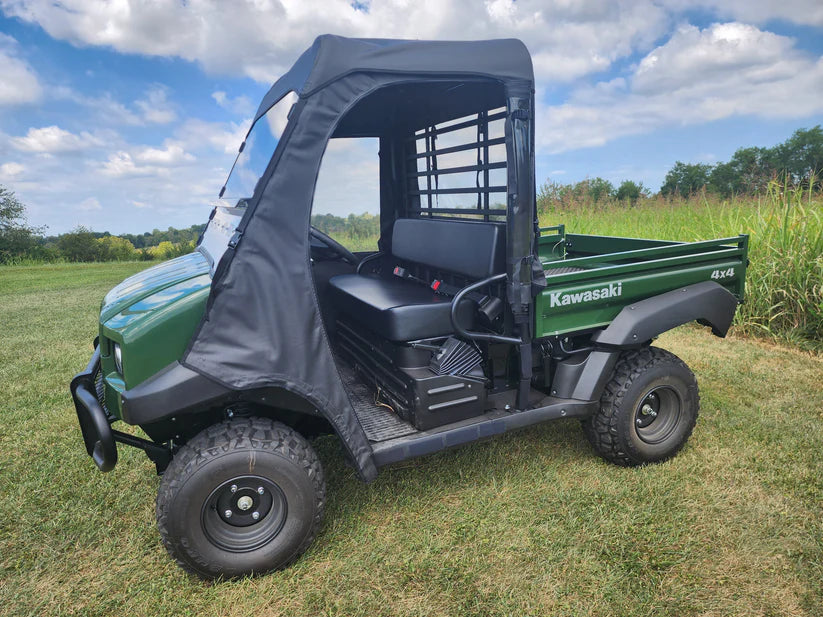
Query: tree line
{"points": [[20, 241], [798, 161]]}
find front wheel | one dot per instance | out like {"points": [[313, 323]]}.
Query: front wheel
{"points": [[647, 411], [242, 497]]}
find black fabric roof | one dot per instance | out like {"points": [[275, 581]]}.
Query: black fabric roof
{"points": [[332, 57]]}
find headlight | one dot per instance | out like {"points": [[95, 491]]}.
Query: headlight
{"points": [[118, 358]]}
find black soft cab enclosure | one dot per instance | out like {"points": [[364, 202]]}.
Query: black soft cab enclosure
{"points": [[410, 299]]}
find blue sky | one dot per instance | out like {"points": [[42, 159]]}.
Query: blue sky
{"points": [[125, 116]]}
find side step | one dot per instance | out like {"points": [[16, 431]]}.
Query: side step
{"points": [[467, 431]]}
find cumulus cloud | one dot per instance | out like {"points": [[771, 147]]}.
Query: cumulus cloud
{"points": [[172, 154], [803, 12], [240, 105], [52, 139], [87, 205], [697, 76], [225, 137], [18, 81], [568, 39], [11, 171], [155, 108], [146, 161]]}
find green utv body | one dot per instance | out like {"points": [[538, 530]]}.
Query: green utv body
{"points": [[469, 321]]}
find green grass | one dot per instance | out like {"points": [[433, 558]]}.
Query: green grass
{"points": [[531, 523]]}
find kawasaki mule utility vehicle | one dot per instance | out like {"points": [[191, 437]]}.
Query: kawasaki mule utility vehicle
{"points": [[467, 321]]}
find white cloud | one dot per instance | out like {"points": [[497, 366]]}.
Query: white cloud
{"points": [[18, 81], [240, 105], [87, 205], [121, 164], [106, 110], [353, 164], [146, 161], [568, 39], [803, 12], [11, 171], [51, 139], [697, 76], [155, 108], [224, 137], [172, 154], [717, 53]]}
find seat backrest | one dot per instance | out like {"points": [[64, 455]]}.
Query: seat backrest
{"points": [[474, 249]]}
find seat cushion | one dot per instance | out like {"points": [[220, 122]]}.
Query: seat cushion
{"points": [[395, 308], [473, 249]]}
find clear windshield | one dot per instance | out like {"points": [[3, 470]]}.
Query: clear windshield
{"points": [[260, 145]]}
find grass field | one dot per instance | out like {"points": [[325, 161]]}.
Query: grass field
{"points": [[528, 524]]}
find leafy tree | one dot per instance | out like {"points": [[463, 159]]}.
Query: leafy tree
{"points": [[357, 226], [164, 250], [748, 171], [114, 248], [17, 238], [599, 189], [79, 245], [801, 155], [170, 250], [686, 178], [630, 191]]}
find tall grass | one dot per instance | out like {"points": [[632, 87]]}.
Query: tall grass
{"points": [[784, 283]]}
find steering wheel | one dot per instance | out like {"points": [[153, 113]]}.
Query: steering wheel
{"points": [[334, 246]]}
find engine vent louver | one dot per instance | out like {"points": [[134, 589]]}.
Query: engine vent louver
{"points": [[455, 358]]}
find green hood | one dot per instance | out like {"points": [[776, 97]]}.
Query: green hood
{"points": [[152, 316], [153, 280]]}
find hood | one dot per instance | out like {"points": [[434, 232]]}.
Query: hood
{"points": [[157, 278]]}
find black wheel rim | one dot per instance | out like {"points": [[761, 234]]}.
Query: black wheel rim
{"points": [[658, 414], [244, 513]]}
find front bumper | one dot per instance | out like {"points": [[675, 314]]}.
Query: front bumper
{"points": [[95, 422]]}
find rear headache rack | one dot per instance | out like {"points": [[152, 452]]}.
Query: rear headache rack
{"points": [[473, 184]]}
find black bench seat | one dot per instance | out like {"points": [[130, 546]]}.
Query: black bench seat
{"points": [[396, 309], [405, 310]]}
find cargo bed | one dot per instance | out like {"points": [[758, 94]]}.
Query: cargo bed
{"points": [[591, 278]]}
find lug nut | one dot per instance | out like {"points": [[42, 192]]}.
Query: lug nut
{"points": [[260, 490], [227, 513], [233, 488], [255, 515]]}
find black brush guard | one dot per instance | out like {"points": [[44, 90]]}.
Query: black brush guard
{"points": [[95, 423]]}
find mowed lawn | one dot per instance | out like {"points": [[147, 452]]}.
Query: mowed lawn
{"points": [[531, 523]]}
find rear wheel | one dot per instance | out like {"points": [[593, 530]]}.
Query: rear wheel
{"points": [[647, 411], [244, 496]]}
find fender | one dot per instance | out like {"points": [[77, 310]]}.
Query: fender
{"points": [[178, 390], [583, 378], [707, 302]]}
